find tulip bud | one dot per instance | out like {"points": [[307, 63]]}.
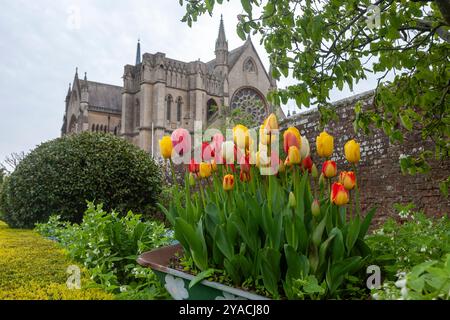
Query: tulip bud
{"points": [[307, 163], [315, 208], [281, 167], [228, 182], [325, 145], [166, 147], [314, 171], [191, 179], [329, 169], [244, 176], [321, 180], [213, 165], [339, 195], [292, 201], [352, 151]]}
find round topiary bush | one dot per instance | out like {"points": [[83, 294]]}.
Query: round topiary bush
{"points": [[59, 176]]}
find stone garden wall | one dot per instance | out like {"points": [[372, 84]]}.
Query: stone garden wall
{"points": [[380, 178]]}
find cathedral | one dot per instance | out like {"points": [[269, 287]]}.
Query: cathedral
{"points": [[160, 94]]}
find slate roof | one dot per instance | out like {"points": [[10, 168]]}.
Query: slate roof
{"points": [[104, 97]]}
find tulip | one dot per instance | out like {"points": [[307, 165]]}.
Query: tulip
{"points": [[315, 208], [204, 170], [207, 151], [304, 150], [293, 155], [257, 160], [194, 167], [291, 137], [329, 169], [241, 137], [314, 171], [244, 176], [348, 179], [292, 201], [339, 195], [228, 152], [166, 147], [191, 179], [307, 163], [271, 122], [321, 180], [228, 182], [181, 140], [213, 165], [245, 163], [325, 145], [352, 151], [281, 167]]}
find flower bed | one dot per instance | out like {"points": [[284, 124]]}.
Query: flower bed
{"points": [[267, 221]]}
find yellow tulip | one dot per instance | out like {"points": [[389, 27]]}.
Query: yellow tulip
{"points": [[166, 147], [352, 151], [339, 195], [325, 145], [294, 156], [265, 131], [213, 165], [204, 170], [241, 136], [271, 122]]}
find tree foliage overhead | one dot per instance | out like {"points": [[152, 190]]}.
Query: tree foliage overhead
{"points": [[330, 44]]}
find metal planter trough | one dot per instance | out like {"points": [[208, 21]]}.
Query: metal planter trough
{"points": [[177, 282]]}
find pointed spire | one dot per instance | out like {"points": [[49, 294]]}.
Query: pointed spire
{"points": [[221, 42], [85, 76], [76, 73], [138, 52]]}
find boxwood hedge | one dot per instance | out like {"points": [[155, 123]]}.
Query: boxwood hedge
{"points": [[59, 176]]}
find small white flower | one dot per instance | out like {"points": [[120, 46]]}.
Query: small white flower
{"points": [[376, 296], [123, 288], [404, 292], [175, 286], [401, 283]]}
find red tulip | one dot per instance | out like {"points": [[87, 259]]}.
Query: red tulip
{"points": [[339, 195], [194, 167], [307, 163]]}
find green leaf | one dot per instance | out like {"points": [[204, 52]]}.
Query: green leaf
{"points": [[366, 223], [247, 6], [270, 269], [201, 276], [298, 264]]}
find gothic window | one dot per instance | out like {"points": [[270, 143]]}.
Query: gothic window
{"points": [[169, 101], [101, 128], [137, 114], [105, 129], [211, 110], [73, 124], [115, 131], [93, 127], [179, 104], [249, 65], [96, 128], [250, 101]]}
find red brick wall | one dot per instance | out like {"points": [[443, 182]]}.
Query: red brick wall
{"points": [[380, 178]]}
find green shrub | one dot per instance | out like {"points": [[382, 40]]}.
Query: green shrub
{"points": [[108, 246], [60, 175], [399, 247]]}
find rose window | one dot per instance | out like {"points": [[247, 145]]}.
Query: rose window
{"points": [[250, 102]]}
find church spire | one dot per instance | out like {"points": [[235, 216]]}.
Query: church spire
{"points": [[221, 42], [138, 52]]}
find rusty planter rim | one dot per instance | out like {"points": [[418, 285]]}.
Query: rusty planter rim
{"points": [[159, 260]]}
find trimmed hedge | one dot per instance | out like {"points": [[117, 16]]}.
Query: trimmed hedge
{"points": [[34, 268], [59, 176]]}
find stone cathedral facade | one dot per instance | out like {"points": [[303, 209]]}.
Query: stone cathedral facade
{"points": [[160, 94]]}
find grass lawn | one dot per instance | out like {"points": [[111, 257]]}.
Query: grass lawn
{"points": [[34, 268]]}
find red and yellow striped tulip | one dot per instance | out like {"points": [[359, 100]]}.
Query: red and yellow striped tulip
{"points": [[228, 182], [339, 195], [329, 169], [292, 138], [293, 156], [348, 179]]}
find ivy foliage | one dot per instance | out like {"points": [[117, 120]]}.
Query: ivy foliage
{"points": [[332, 44], [59, 176]]}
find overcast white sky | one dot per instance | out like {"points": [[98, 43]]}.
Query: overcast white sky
{"points": [[40, 46]]}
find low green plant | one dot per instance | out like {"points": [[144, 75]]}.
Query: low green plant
{"points": [[108, 246], [429, 280], [398, 247]]}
